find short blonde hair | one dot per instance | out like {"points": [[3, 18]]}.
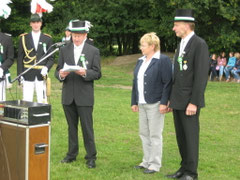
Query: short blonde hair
{"points": [[151, 39], [237, 55]]}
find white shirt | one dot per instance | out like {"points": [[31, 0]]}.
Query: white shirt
{"points": [[78, 52], [36, 37], [184, 42], [141, 74]]}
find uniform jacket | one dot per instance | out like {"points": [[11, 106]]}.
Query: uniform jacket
{"points": [[8, 51], [75, 87], [44, 40], [157, 81], [189, 85]]}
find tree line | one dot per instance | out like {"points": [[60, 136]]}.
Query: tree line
{"points": [[119, 24]]}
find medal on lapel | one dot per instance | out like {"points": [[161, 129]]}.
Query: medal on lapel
{"points": [[1, 48], [180, 60], [185, 66], [83, 60], [44, 47]]}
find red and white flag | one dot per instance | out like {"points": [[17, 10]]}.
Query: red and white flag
{"points": [[40, 6], [5, 10]]}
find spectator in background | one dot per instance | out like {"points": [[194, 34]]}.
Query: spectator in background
{"points": [[221, 63], [213, 65], [236, 70], [230, 65], [67, 36]]}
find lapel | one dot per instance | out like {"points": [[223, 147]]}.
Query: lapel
{"points": [[138, 66], [40, 43], [30, 39], [71, 54], [85, 52], [188, 46], [153, 61], [1, 37]]}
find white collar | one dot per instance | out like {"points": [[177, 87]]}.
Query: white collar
{"points": [[36, 33], [188, 37]]}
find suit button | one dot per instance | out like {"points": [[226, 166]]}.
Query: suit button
{"points": [[145, 74], [145, 92], [145, 83]]}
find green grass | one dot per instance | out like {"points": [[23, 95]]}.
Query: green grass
{"points": [[116, 132]]}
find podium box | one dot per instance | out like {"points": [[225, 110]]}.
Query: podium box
{"points": [[24, 151]]}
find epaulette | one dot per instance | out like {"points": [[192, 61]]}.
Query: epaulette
{"points": [[48, 35], [23, 34], [8, 34]]}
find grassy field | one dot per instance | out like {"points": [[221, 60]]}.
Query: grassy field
{"points": [[116, 132]]}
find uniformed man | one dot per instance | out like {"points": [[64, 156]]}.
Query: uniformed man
{"points": [[32, 47], [6, 60]]}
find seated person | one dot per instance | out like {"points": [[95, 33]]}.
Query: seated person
{"points": [[230, 65], [213, 65], [221, 63], [236, 70]]}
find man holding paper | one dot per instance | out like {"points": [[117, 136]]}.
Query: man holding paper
{"points": [[78, 67]]}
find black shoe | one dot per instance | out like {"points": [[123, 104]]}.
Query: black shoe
{"points": [[149, 171], [176, 175], [188, 177], [68, 160], [139, 167], [91, 163]]}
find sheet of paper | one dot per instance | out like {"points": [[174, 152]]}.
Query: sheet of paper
{"points": [[70, 68]]}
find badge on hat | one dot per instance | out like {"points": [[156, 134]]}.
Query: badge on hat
{"points": [[184, 15]]}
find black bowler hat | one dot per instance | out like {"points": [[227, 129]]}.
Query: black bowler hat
{"points": [[35, 18], [77, 26], [184, 15]]}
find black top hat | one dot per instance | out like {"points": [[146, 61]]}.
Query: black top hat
{"points": [[77, 26], [184, 15], [35, 18]]}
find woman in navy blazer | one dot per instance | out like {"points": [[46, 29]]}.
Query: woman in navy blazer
{"points": [[150, 94]]}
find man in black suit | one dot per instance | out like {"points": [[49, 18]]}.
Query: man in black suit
{"points": [[187, 97], [6, 61], [78, 89], [32, 47]]}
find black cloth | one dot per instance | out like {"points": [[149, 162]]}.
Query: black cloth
{"points": [[73, 113], [187, 134], [7, 53], [213, 70], [78, 97], [44, 40], [189, 87]]}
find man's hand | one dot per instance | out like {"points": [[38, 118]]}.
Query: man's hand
{"points": [[81, 72], [191, 109], [135, 108], [63, 74], [163, 108]]}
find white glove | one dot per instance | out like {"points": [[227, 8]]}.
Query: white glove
{"points": [[44, 71], [1, 72]]}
